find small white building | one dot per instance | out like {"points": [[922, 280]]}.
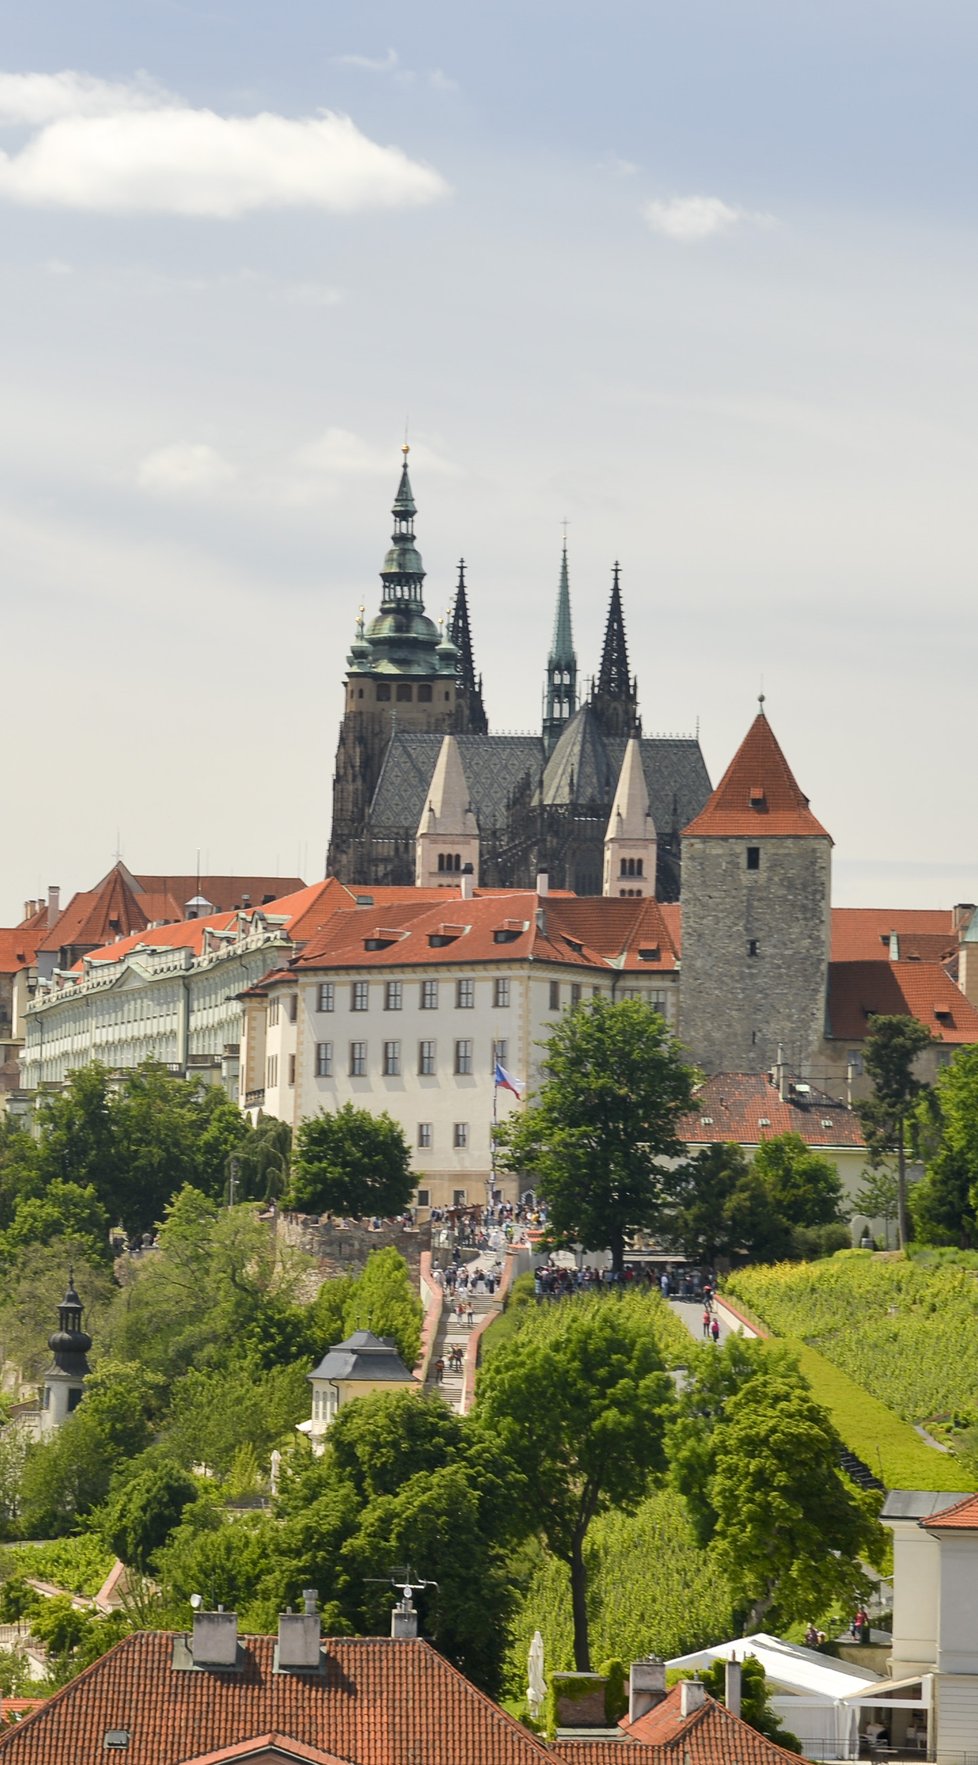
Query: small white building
{"points": [[815, 1696], [935, 1611], [354, 1368]]}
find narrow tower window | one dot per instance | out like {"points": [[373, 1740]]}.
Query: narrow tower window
{"points": [[753, 857]]}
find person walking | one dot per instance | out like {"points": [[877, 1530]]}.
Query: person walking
{"points": [[706, 1322], [715, 1329], [439, 1370]]}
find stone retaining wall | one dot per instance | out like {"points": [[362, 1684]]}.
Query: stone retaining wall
{"points": [[343, 1250]]}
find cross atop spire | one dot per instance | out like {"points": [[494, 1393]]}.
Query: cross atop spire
{"points": [[614, 697], [561, 662]]}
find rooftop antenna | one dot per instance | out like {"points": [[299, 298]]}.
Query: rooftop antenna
{"points": [[404, 1617], [118, 847]]}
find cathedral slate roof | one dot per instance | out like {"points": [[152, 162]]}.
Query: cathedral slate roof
{"points": [[675, 773]]}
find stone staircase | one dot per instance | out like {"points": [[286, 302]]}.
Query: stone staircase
{"points": [[452, 1333]]}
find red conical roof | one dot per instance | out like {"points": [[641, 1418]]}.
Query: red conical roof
{"points": [[757, 796]]}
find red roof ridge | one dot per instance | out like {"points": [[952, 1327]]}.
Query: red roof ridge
{"points": [[758, 795], [963, 1516]]}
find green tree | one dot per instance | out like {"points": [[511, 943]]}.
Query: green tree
{"points": [[382, 1440], [18, 1167], [69, 1475], [77, 1142], [701, 1218], [351, 1162], [804, 1186], [615, 1085], [218, 1410], [891, 1051], [138, 1519], [791, 1532], [944, 1204], [876, 1197], [64, 1211], [713, 1377], [577, 1402], [31, 1291], [384, 1300]]}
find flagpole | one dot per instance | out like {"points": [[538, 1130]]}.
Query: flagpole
{"points": [[492, 1143]]}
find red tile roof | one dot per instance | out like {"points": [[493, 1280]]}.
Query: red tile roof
{"points": [[302, 912], [379, 1702], [962, 1517], [123, 903], [17, 950], [861, 990], [222, 892], [583, 933], [709, 1736], [757, 796], [745, 1108], [862, 934]]}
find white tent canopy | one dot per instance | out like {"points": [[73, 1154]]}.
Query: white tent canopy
{"points": [[814, 1695]]}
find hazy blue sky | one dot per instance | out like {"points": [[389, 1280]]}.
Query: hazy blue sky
{"points": [[701, 279]]}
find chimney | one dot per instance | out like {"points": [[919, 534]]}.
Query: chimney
{"points": [[468, 883], [732, 1681], [646, 1686], [54, 903], [215, 1639], [779, 1070], [404, 1618], [894, 947], [299, 1637], [543, 883], [692, 1696], [962, 915]]}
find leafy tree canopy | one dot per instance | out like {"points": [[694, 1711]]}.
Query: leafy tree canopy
{"points": [[891, 1051], [139, 1517], [351, 1162], [945, 1204], [385, 1300], [577, 1402], [615, 1085]]}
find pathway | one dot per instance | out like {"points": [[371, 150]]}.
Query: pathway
{"points": [[691, 1315], [451, 1333]]}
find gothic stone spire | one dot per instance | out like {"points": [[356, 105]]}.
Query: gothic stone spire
{"points": [[614, 699], [561, 665], [472, 714]]}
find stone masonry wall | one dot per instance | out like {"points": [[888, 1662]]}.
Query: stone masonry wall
{"points": [[735, 1008], [343, 1250]]}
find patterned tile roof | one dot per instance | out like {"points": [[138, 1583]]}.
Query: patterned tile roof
{"points": [[495, 765], [746, 1108], [499, 926], [17, 949], [708, 1736], [962, 1517], [758, 796], [379, 1702], [123, 903], [861, 990], [862, 934]]}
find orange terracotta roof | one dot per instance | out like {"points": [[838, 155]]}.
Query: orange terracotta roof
{"points": [[628, 936], [222, 892], [17, 950], [14, 1709], [745, 1108], [378, 1702], [962, 1517], [305, 909], [94, 916], [709, 1736], [859, 991], [757, 796], [862, 934]]}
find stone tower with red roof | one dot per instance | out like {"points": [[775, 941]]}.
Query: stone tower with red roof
{"points": [[756, 895]]}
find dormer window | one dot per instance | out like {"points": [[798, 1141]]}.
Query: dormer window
{"points": [[757, 799], [650, 955]]}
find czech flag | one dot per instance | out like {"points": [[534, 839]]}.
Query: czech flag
{"points": [[502, 1079]]}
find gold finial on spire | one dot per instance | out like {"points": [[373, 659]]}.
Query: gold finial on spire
{"points": [[361, 610]]}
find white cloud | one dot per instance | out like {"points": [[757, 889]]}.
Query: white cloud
{"points": [[339, 453], [33, 99], [126, 150], [370, 64], [184, 467], [619, 168], [316, 294], [689, 219]]}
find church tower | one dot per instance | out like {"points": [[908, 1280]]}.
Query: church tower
{"points": [[401, 674], [756, 896], [448, 833], [614, 696], [65, 1377], [469, 709], [561, 666], [630, 842]]}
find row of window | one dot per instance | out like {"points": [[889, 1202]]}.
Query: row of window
{"points": [[426, 1137], [428, 995], [271, 1071], [291, 1005], [391, 1059]]}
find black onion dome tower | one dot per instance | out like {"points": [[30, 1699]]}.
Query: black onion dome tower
{"points": [[65, 1378]]}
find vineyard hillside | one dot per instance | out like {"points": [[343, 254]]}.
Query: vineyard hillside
{"points": [[904, 1330]]}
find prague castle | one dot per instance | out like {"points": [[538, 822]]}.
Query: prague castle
{"points": [[540, 802]]}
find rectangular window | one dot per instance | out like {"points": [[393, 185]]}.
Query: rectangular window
{"points": [[659, 1003], [424, 698], [429, 995], [753, 857], [463, 1057], [461, 1134], [575, 992], [326, 996], [555, 995], [293, 1007], [358, 1060], [393, 994], [424, 1134], [423, 1196], [458, 1197], [291, 1069], [500, 990], [271, 1072], [500, 1051], [392, 1060], [426, 1059], [359, 995], [753, 946], [324, 1060], [465, 995], [854, 1061], [273, 1005]]}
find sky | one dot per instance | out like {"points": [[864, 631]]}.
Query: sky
{"points": [[699, 280]]}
